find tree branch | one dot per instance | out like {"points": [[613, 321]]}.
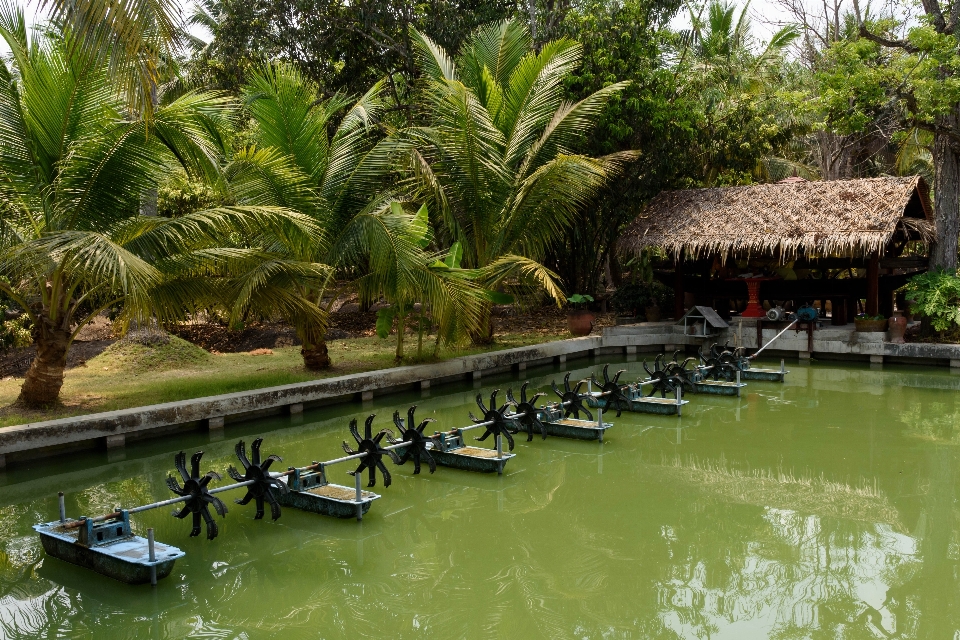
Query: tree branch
{"points": [[932, 8], [884, 42]]}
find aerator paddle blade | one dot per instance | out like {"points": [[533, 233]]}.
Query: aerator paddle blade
{"points": [[527, 416], [498, 424], [571, 399], [370, 445], [411, 435], [663, 381], [199, 498], [613, 397], [265, 487]]}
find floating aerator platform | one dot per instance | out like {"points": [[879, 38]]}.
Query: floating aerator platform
{"points": [[109, 548], [450, 450], [618, 397]]}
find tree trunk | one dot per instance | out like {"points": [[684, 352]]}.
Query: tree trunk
{"points": [[835, 157], [484, 334], [315, 357], [41, 386], [946, 189], [532, 13], [401, 333]]}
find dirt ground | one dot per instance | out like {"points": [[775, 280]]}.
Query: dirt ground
{"points": [[101, 378], [346, 323]]}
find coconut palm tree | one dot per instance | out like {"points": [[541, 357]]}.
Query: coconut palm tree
{"points": [[74, 166], [496, 157], [307, 157]]}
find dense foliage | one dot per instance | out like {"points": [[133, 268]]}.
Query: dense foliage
{"points": [[935, 295], [441, 156]]}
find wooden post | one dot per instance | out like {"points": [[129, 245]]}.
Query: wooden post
{"points": [[886, 301], [873, 285], [838, 307], [678, 288]]}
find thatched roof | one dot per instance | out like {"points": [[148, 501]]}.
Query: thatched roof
{"points": [[794, 217]]}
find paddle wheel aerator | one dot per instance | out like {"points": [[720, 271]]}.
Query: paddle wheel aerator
{"points": [[106, 543]]}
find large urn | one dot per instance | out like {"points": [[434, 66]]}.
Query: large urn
{"points": [[897, 326]]}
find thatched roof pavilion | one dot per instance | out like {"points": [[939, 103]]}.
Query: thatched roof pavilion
{"points": [[790, 218], [859, 221]]}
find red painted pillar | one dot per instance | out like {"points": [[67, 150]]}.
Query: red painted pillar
{"points": [[873, 285], [678, 288]]}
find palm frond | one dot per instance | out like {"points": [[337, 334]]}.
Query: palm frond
{"points": [[433, 61], [524, 271], [130, 37], [497, 47]]}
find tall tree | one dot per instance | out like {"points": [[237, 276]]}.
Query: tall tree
{"points": [[705, 107], [342, 46], [319, 157], [912, 67]]}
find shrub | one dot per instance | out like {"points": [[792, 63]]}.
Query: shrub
{"points": [[633, 298], [15, 326], [630, 299], [661, 295], [936, 295]]}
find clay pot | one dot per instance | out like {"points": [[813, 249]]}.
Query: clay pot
{"points": [[580, 322], [652, 314], [870, 326], [897, 325]]}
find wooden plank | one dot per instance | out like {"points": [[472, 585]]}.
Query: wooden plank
{"points": [[711, 316]]}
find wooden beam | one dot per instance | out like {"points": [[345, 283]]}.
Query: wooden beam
{"points": [[873, 286], [838, 308], [678, 288]]}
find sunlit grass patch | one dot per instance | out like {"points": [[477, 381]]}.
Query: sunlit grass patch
{"points": [[134, 372]]}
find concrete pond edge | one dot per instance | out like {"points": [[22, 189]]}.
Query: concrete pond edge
{"points": [[113, 429]]}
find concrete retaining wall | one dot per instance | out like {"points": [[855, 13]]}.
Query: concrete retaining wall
{"points": [[843, 343], [115, 428]]}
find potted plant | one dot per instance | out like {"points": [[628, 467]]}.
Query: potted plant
{"points": [[870, 324], [579, 318]]}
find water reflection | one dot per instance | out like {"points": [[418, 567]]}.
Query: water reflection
{"points": [[823, 507]]}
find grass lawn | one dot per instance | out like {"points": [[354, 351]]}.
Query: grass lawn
{"points": [[130, 375]]}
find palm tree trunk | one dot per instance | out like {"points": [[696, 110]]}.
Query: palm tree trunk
{"points": [[315, 356], [401, 330], [484, 334], [41, 386]]}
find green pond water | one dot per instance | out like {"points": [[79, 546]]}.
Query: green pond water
{"points": [[825, 507]]}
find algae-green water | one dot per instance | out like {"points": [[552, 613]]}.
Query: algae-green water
{"points": [[825, 507]]}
